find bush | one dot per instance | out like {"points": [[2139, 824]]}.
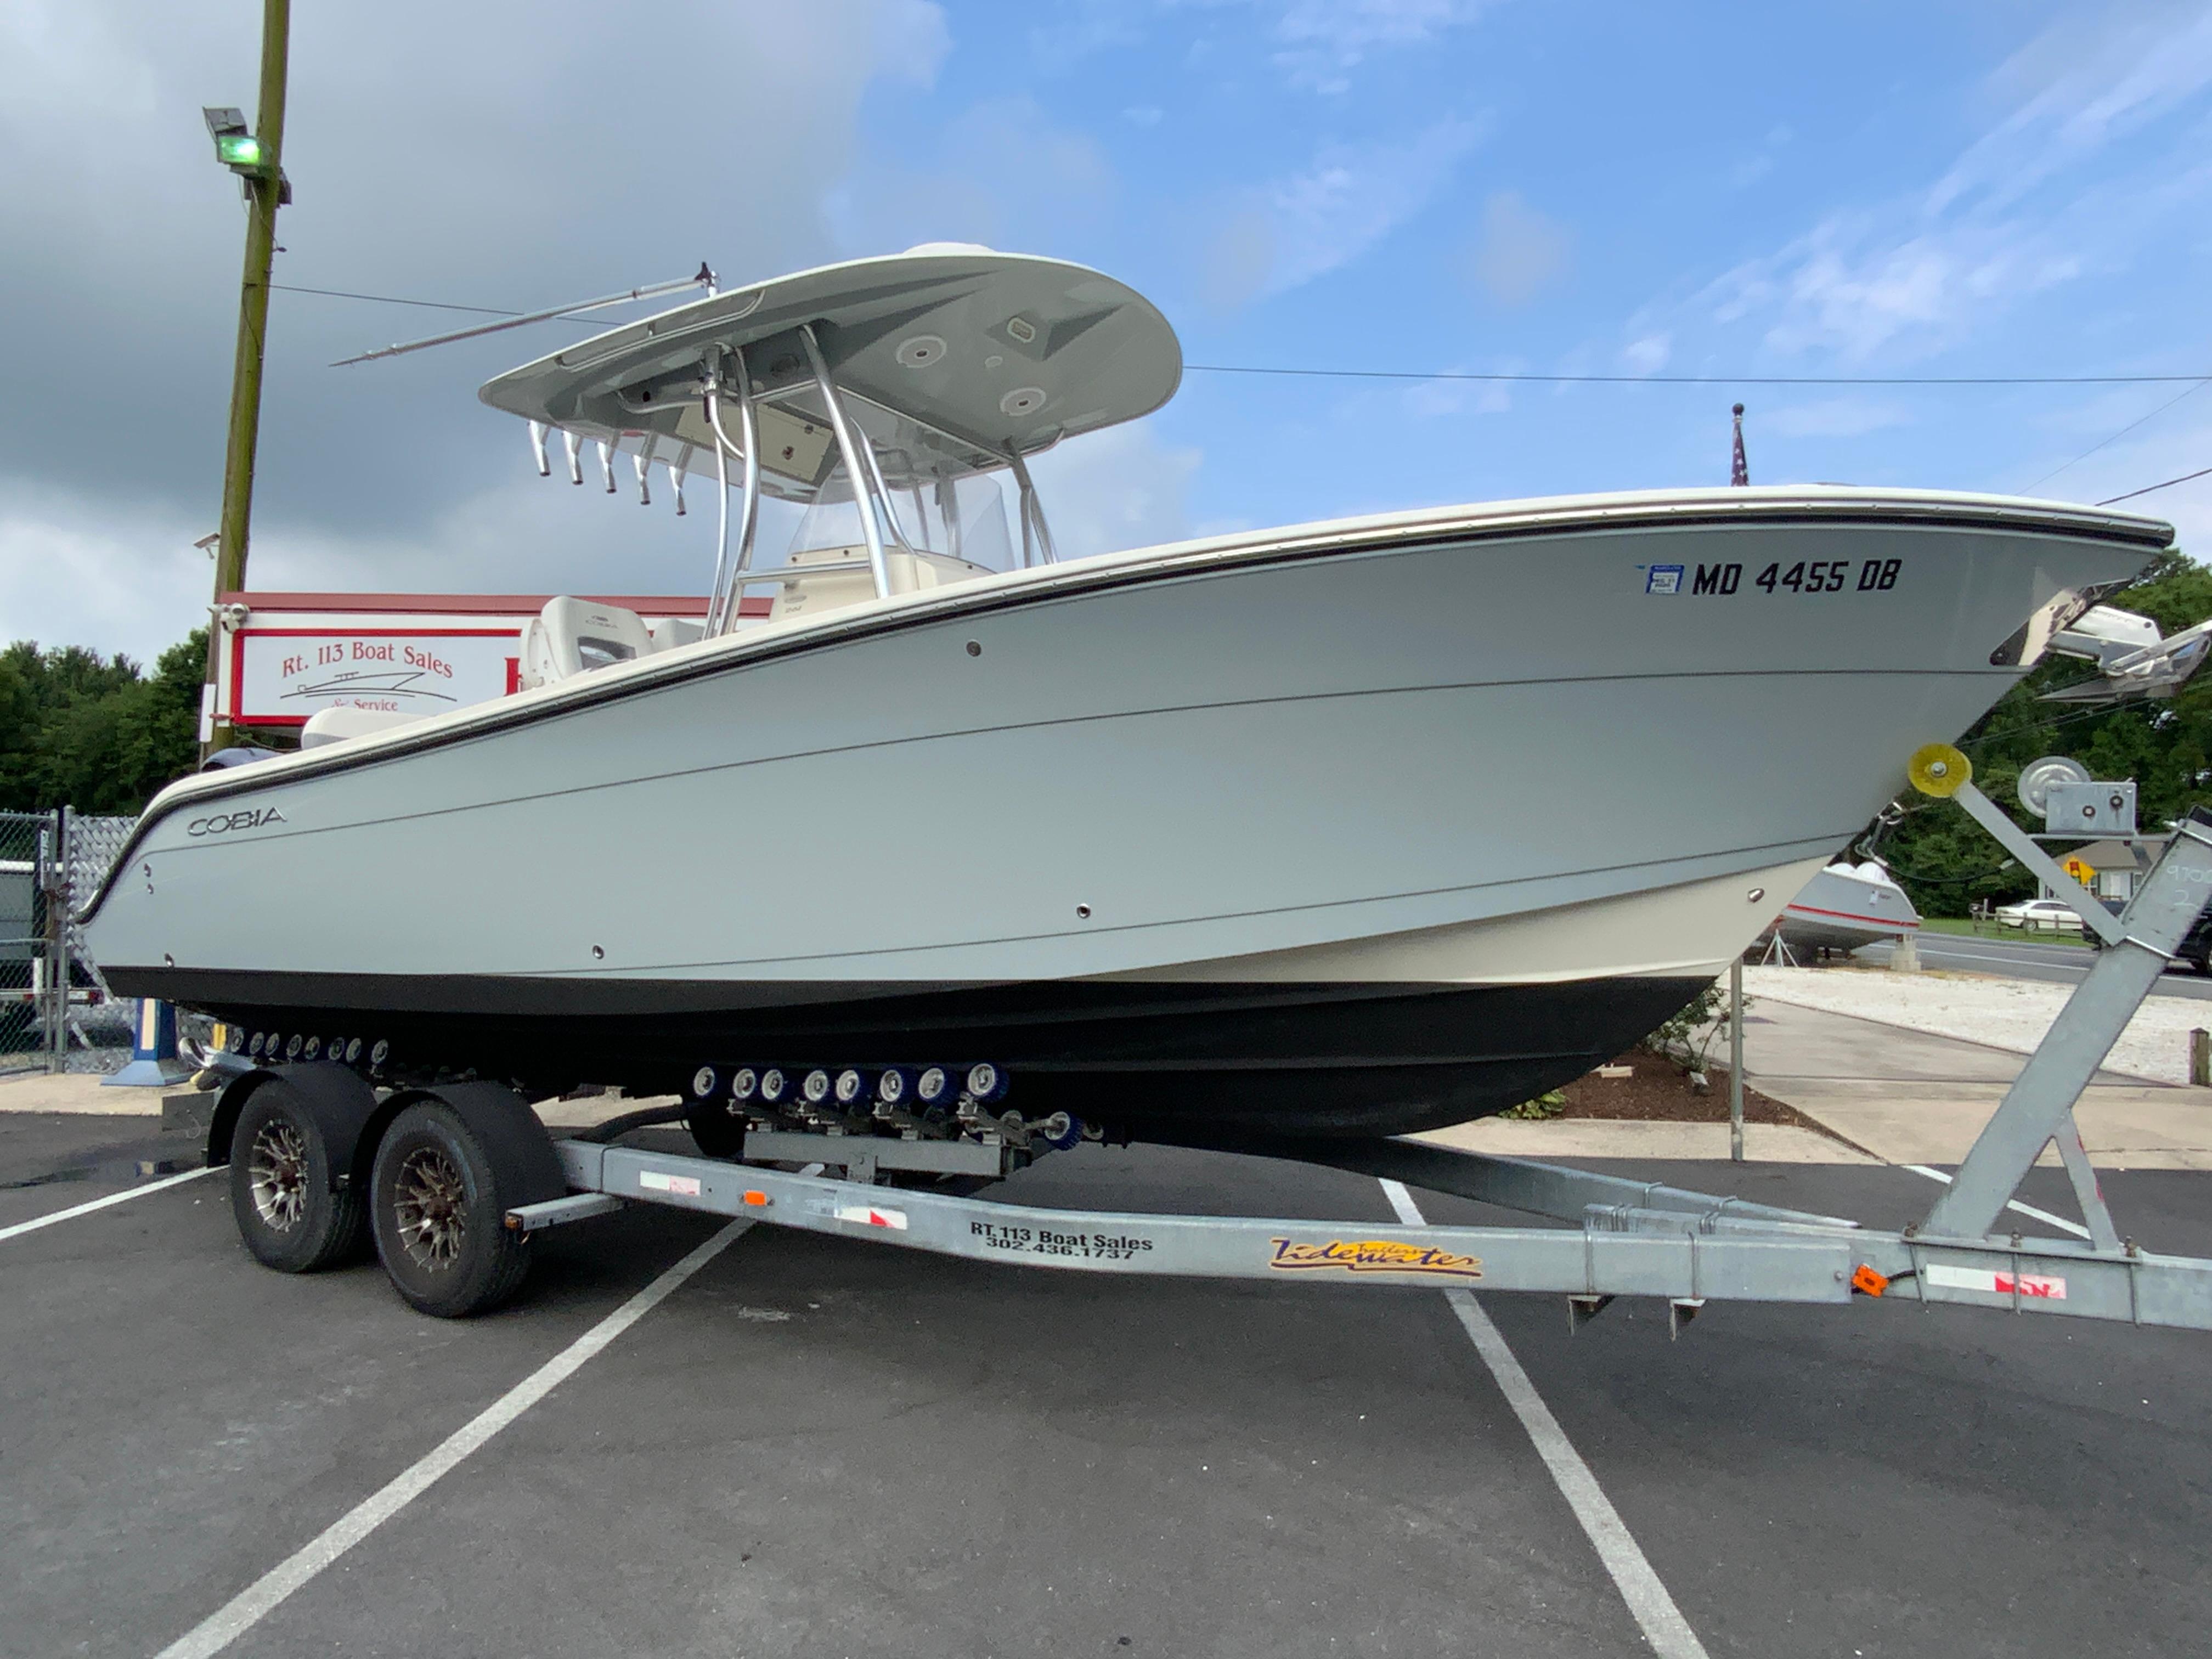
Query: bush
{"points": [[1548, 1104], [1673, 1035]]}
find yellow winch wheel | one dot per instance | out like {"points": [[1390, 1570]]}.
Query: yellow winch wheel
{"points": [[1938, 769]]}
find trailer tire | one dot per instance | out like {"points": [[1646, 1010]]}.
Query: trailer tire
{"points": [[291, 1212], [714, 1132], [439, 1216]]}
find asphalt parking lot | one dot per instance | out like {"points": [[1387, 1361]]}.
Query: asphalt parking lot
{"points": [[822, 1447]]}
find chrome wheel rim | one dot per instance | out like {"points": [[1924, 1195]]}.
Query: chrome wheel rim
{"points": [[277, 1170], [430, 1204]]}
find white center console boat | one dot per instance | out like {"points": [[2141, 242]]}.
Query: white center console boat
{"points": [[1356, 827]]}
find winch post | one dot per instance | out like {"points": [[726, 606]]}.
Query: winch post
{"points": [[2018, 843], [2039, 1104]]}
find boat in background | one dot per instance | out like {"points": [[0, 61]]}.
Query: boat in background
{"points": [[1363, 826], [1844, 907]]}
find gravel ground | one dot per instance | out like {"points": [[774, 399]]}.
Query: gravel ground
{"points": [[2002, 1013]]}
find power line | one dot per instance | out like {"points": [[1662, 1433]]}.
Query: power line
{"points": [[2201, 472], [2191, 380], [427, 305], [1709, 380], [2121, 434], [2195, 382]]}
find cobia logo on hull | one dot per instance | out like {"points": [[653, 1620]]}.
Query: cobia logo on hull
{"points": [[251, 818]]}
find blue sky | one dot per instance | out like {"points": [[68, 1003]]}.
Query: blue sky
{"points": [[1606, 188]]}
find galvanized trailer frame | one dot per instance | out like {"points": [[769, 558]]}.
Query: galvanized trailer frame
{"points": [[1624, 1237]]}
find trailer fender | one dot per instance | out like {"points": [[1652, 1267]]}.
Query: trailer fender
{"points": [[342, 1103], [527, 1168]]}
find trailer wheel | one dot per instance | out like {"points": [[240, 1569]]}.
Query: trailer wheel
{"points": [[713, 1131], [439, 1216], [281, 1187]]}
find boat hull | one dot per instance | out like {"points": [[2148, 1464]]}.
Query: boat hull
{"points": [[1359, 828], [1355, 1059], [1840, 910]]}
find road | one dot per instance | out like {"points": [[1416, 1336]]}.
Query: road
{"points": [[826, 1447], [2024, 959]]}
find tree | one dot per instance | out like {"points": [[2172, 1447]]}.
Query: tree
{"points": [[95, 733]]}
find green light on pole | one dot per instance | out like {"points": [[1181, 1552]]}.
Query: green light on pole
{"points": [[235, 145], [239, 151]]}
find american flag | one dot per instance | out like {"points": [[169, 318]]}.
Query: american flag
{"points": [[1739, 473]]}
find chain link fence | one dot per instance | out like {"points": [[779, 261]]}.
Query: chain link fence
{"points": [[22, 939], [55, 1012]]}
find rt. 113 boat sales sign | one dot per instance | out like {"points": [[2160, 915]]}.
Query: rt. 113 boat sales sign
{"points": [[288, 656], [285, 675]]}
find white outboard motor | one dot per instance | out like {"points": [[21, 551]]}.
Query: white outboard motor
{"points": [[327, 725], [572, 636]]}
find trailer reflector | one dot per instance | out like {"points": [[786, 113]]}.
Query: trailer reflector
{"points": [[869, 1215], [1996, 1284]]}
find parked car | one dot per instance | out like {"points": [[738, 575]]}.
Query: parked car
{"points": [[2196, 946], [2041, 916]]}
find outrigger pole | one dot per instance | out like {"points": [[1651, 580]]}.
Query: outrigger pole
{"points": [[703, 278]]}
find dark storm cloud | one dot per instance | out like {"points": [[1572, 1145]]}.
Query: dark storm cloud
{"points": [[500, 154]]}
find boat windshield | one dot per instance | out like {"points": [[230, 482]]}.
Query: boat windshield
{"points": [[927, 507], [963, 517], [941, 494]]}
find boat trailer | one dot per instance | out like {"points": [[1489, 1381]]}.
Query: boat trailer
{"points": [[458, 1243]]}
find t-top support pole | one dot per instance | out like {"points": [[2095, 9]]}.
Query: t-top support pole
{"points": [[856, 469], [721, 603], [1031, 514]]}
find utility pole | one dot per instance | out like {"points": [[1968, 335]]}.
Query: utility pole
{"points": [[258, 159]]}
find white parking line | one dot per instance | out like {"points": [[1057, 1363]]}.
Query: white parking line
{"points": [[76, 1209], [2057, 1221], [262, 1597], [1661, 1620]]}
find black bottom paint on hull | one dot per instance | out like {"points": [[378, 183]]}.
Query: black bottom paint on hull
{"points": [[1169, 1059]]}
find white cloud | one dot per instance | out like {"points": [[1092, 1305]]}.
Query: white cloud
{"points": [[1834, 418], [1520, 251], [1752, 168], [1432, 400], [2094, 76], [78, 569], [1316, 44], [1118, 488], [493, 168], [1647, 355], [1296, 228], [2022, 210], [1323, 41], [1854, 287], [1082, 28], [961, 188], [74, 572]]}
